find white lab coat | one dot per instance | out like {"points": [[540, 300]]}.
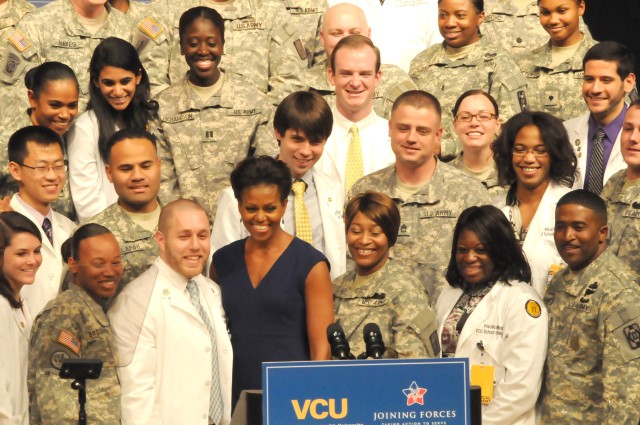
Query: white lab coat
{"points": [[228, 227], [47, 283], [165, 374], [513, 341], [578, 129], [539, 246], [92, 191], [15, 327]]}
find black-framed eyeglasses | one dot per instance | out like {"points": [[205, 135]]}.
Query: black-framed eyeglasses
{"points": [[482, 116]]}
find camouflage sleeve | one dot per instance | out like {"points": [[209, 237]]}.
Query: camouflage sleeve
{"points": [[169, 188], [152, 39], [265, 142], [416, 331], [20, 53], [509, 87], [55, 337], [621, 362], [287, 58]]}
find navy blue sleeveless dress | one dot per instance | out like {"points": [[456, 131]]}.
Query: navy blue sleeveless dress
{"points": [[267, 323]]}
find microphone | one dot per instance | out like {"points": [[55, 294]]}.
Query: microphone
{"points": [[338, 342], [373, 340]]}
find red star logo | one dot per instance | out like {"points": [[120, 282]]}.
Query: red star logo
{"points": [[415, 394]]}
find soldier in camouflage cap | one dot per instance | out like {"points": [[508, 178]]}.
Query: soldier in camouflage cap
{"points": [[464, 61], [622, 194], [430, 194], [260, 44], [80, 25], [340, 21], [380, 290], [74, 326], [134, 169], [592, 374], [209, 120]]}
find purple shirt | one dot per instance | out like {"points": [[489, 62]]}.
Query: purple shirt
{"points": [[611, 130]]}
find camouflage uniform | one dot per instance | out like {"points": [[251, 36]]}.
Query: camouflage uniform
{"points": [[394, 82], [11, 120], [201, 142], [259, 43], [15, 11], [137, 11], [486, 67], [427, 219], [396, 301], [558, 90], [53, 33], [308, 15], [592, 373], [491, 183], [72, 326], [138, 247], [623, 207], [515, 30]]}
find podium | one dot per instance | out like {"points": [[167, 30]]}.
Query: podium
{"points": [[369, 392]]}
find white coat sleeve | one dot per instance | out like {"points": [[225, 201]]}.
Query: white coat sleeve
{"points": [[227, 226], [8, 389], [84, 176], [523, 355]]}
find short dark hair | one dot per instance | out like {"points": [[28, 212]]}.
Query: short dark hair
{"points": [[478, 5], [555, 138], [496, 234], [305, 111], [36, 79], [17, 146], [587, 200], [128, 133], [12, 223], [419, 99], [71, 248], [201, 12], [612, 51], [261, 170], [475, 92], [354, 41], [378, 207]]}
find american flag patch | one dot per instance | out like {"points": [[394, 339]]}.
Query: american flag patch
{"points": [[69, 341], [150, 27], [19, 41]]}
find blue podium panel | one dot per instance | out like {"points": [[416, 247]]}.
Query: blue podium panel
{"points": [[367, 392]]}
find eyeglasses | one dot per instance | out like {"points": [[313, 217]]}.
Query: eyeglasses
{"points": [[43, 170], [538, 151], [480, 116]]}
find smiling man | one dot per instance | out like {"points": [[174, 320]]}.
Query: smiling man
{"points": [[593, 363], [595, 135], [302, 123], [36, 162], [170, 330], [429, 193], [358, 144], [134, 169], [622, 194]]}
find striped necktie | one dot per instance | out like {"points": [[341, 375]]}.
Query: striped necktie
{"points": [[596, 166]]}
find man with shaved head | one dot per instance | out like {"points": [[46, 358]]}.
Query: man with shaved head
{"points": [[340, 21], [170, 330]]}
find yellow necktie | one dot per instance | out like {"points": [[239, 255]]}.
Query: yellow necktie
{"points": [[303, 223], [355, 166]]}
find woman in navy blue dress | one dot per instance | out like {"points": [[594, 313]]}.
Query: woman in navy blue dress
{"points": [[276, 288]]}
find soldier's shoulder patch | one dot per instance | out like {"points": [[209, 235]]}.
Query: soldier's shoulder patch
{"points": [[533, 309], [67, 339], [57, 358], [150, 27], [302, 53], [632, 334], [19, 41]]}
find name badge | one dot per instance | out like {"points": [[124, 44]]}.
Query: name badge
{"points": [[304, 10], [483, 376], [67, 44], [248, 25], [241, 112], [437, 213], [631, 212], [371, 302], [178, 118], [131, 247], [579, 306]]}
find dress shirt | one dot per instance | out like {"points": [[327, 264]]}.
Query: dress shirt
{"points": [[611, 130]]}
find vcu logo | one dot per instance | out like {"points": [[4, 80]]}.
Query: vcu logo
{"points": [[320, 408]]}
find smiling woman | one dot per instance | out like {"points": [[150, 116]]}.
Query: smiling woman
{"points": [[119, 99]]}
